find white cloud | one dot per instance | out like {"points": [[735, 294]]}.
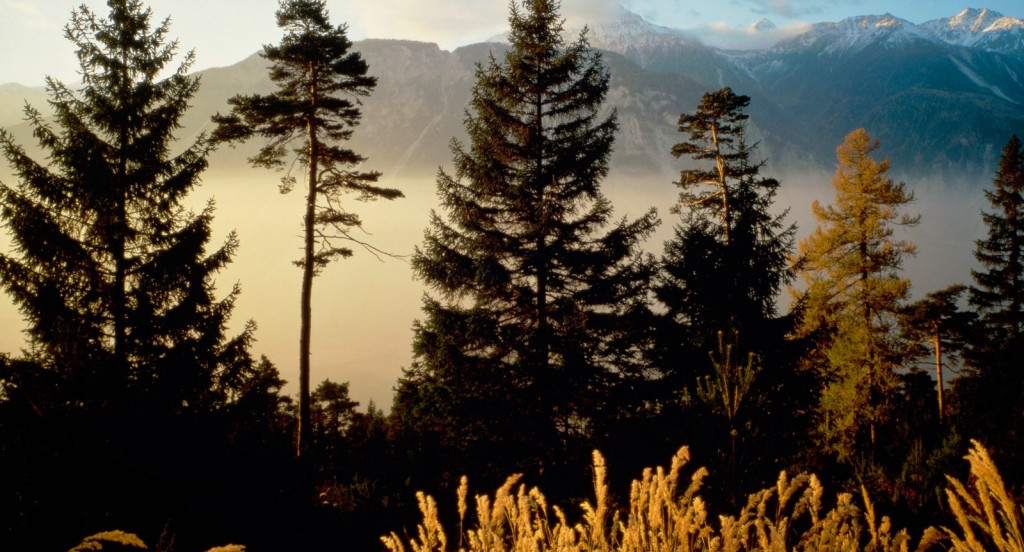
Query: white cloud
{"points": [[452, 23], [27, 15], [748, 38]]}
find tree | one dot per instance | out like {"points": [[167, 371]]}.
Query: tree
{"points": [[315, 107], [991, 405], [537, 316], [725, 392], [114, 411], [999, 291], [720, 275], [727, 260], [937, 320], [850, 266], [108, 269]]}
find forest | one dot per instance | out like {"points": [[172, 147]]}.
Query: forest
{"points": [[799, 396]]}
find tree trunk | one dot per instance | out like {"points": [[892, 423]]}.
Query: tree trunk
{"points": [[938, 371], [308, 271]]}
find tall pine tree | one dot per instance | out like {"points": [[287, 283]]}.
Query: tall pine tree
{"points": [[999, 291], [314, 109], [534, 335], [721, 273], [991, 405], [112, 417], [108, 268], [727, 260], [853, 295]]}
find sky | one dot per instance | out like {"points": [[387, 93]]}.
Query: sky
{"points": [[223, 32]]}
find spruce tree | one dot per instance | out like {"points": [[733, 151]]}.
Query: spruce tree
{"points": [[850, 266], [534, 333], [313, 111], [108, 268], [999, 291], [991, 405], [112, 417]]}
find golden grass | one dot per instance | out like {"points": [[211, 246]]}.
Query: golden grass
{"points": [[111, 541], [667, 514]]}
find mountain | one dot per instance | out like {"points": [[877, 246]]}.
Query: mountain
{"points": [[940, 107], [12, 102], [984, 29], [943, 96]]}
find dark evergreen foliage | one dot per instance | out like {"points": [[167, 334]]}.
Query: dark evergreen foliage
{"points": [[727, 262], [133, 409], [126, 407], [999, 291], [108, 268], [721, 274], [992, 393], [533, 340], [313, 111]]}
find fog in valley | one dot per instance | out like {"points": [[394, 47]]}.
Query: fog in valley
{"points": [[364, 307]]}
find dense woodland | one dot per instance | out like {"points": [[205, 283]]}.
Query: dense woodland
{"points": [[547, 331]]}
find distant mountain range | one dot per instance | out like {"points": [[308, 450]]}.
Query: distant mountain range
{"points": [[942, 96]]}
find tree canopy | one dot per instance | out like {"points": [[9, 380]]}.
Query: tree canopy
{"points": [[537, 307], [306, 120]]}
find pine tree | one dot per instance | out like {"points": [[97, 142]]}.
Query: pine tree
{"points": [[130, 374], [314, 109], [720, 275], [999, 291], [850, 266], [537, 315], [937, 329], [108, 269], [991, 404], [727, 261]]}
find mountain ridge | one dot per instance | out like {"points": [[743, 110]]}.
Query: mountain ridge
{"points": [[942, 108]]}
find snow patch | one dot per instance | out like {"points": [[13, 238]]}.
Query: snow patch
{"points": [[976, 79]]}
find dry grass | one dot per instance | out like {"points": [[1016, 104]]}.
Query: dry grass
{"points": [[987, 517], [112, 541], [667, 514]]}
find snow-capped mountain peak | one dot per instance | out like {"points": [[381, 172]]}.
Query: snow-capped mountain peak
{"points": [[628, 30], [981, 28], [856, 33], [763, 24], [973, 20]]}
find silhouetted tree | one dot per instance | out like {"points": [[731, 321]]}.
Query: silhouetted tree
{"points": [[936, 327], [721, 273], [108, 268], [314, 109], [727, 261], [850, 266], [999, 291], [129, 367], [533, 339], [991, 393]]}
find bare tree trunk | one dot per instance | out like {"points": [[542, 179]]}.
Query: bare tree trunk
{"points": [[308, 271], [938, 371]]}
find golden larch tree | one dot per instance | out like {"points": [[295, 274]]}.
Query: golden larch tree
{"points": [[853, 293]]}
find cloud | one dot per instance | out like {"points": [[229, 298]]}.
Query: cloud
{"points": [[751, 37], [590, 12], [790, 9], [27, 15], [452, 23]]}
